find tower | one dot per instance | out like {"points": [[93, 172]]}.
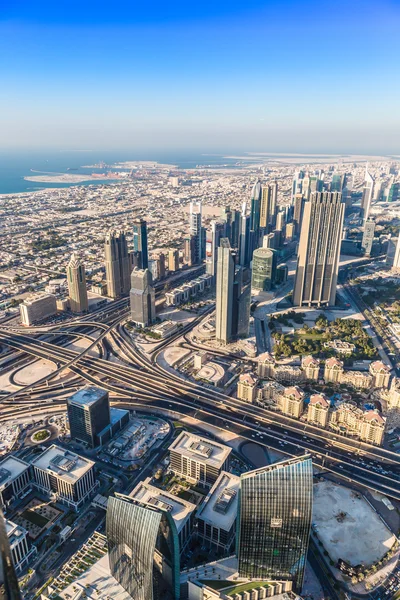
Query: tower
{"points": [[224, 291], [366, 199], [368, 237], [142, 298], [76, 277], [244, 238], [9, 588], [319, 250], [140, 243], [197, 233], [88, 414], [264, 269], [217, 233], [117, 264], [255, 208], [275, 510]]}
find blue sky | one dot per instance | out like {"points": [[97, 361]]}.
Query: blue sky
{"points": [[249, 76]]}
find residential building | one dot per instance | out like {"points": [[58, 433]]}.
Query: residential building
{"points": [[198, 459], [9, 587], [367, 195], [76, 277], [65, 476], [224, 292], [22, 552], [218, 231], [216, 515], [340, 346], [368, 425], [310, 366], [394, 394], [173, 260], [318, 410], [263, 269], [288, 374], [291, 401], [265, 365], [247, 387], [268, 393], [15, 480], [255, 208], [357, 379], [117, 263], [198, 234], [319, 250], [333, 370], [275, 521], [140, 245], [268, 205], [37, 307], [142, 298], [380, 373]]}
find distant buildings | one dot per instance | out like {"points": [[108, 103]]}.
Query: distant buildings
{"points": [[142, 298], [198, 459], [140, 245], [319, 249], [173, 260], [76, 277], [117, 264], [275, 521], [263, 269], [37, 307]]}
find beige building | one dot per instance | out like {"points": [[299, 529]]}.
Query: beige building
{"points": [[318, 410], [288, 374], [394, 394], [333, 370], [267, 393], [247, 387], [37, 307], [291, 401], [380, 374], [310, 366], [173, 260], [368, 425], [117, 264], [76, 277], [265, 367], [358, 379]]}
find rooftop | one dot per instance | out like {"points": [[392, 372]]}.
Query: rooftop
{"points": [[320, 399], [179, 509], [63, 463], [220, 505], [87, 396], [201, 449], [11, 468]]}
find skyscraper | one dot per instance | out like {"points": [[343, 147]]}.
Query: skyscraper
{"points": [[298, 212], [368, 237], [197, 233], [396, 261], [9, 588], [117, 264], [319, 250], [140, 243], [275, 510], [297, 186], [244, 238], [88, 414], [78, 297], [173, 260], [142, 298], [264, 269], [337, 183], [255, 208], [217, 233], [268, 205], [368, 191]]}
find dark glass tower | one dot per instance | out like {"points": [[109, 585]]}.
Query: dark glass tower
{"points": [[88, 414], [275, 509], [140, 243], [9, 588]]}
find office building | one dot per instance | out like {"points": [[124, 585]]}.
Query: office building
{"points": [[140, 246], [368, 237], [216, 515], [173, 260], [367, 195], [37, 307], [198, 459], [275, 511], [394, 192], [245, 251], [297, 186], [9, 587], [263, 269], [14, 480], [255, 208], [117, 263], [337, 182], [76, 277], [197, 235], [64, 476], [143, 547], [268, 205], [217, 233], [88, 414], [142, 298], [318, 410], [22, 552], [298, 208], [319, 250]]}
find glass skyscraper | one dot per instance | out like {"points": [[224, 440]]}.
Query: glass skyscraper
{"points": [[140, 246], [275, 508]]}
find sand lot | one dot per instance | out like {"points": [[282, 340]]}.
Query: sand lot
{"points": [[347, 525]]}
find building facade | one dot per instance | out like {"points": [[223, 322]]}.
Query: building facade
{"points": [[140, 246], [37, 307], [263, 269], [88, 414], [117, 263], [142, 298], [15, 480], [318, 410], [310, 366], [247, 388], [76, 277]]}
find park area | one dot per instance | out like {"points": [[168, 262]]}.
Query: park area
{"points": [[341, 516]]}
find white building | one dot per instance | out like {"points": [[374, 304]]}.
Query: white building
{"points": [[37, 307], [14, 479], [21, 551]]}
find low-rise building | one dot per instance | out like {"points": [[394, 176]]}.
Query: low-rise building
{"points": [[265, 366], [368, 425], [318, 410], [288, 374], [15, 479], [394, 394], [247, 387], [268, 392], [165, 329], [64, 475], [189, 290], [216, 516], [380, 374], [310, 366], [37, 307], [358, 379], [198, 459], [22, 552], [341, 347], [291, 402], [333, 370]]}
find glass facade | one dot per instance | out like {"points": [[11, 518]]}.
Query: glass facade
{"points": [[275, 508]]}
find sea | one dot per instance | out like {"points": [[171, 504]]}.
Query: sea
{"points": [[15, 166]]}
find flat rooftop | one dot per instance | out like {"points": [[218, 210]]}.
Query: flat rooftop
{"points": [[14, 532], [11, 468], [63, 463], [179, 509], [219, 507], [87, 396], [201, 449]]}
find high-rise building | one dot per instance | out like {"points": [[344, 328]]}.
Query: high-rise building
{"points": [[319, 250], [235, 228], [142, 298], [298, 212], [244, 238], [9, 588], [368, 236], [264, 269], [275, 521], [268, 206], [117, 264], [88, 414], [140, 243], [197, 233], [368, 191], [224, 291], [217, 233], [396, 260], [173, 260], [255, 207], [297, 186], [37, 307], [76, 277], [394, 192], [337, 183]]}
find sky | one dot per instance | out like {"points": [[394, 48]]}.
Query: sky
{"points": [[271, 76]]}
